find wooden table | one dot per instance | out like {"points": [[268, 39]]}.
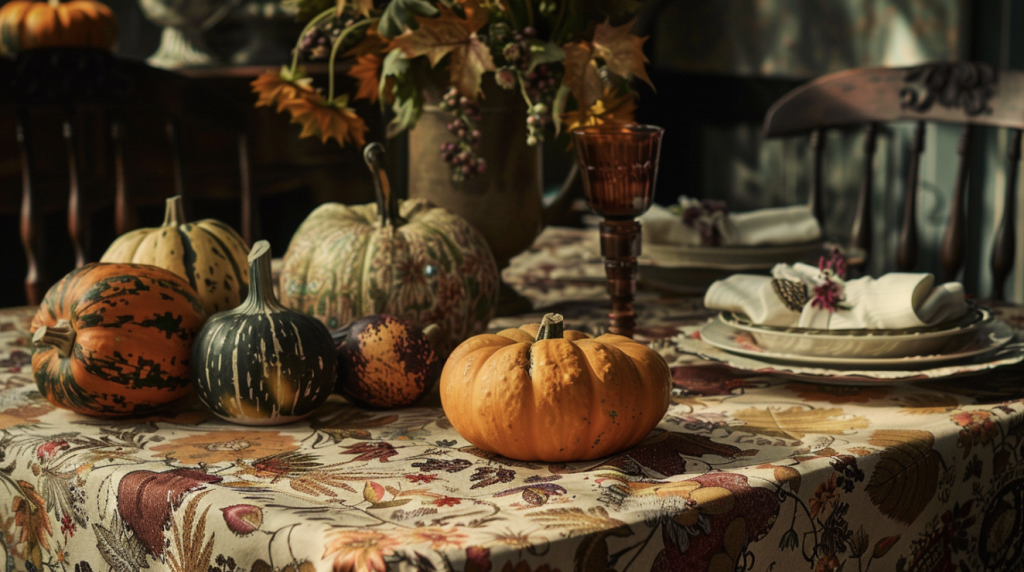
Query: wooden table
{"points": [[747, 471]]}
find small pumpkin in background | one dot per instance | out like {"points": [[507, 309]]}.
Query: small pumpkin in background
{"points": [[207, 253], [262, 363], [27, 25], [386, 362], [543, 393], [409, 259], [115, 339]]}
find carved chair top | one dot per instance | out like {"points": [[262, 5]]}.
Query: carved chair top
{"points": [[956, 92]]}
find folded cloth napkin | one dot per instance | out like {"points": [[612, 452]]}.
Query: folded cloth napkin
{"points": [[714, 226], [898, 300]]}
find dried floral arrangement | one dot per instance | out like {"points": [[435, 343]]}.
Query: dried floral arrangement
{"points": [[571, 61]]}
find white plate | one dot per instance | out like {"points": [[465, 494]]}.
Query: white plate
{"points": [[986, 340], [728, 257], [860, 343]]}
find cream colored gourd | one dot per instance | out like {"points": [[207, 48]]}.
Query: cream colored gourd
{"points": [[209, 254]]}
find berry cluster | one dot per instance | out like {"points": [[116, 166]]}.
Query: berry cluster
{"points": [[538, 81], [315, 45], [461, 154]]}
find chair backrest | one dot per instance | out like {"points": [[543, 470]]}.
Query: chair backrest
{"points": [[964, 93], [71, 84]]}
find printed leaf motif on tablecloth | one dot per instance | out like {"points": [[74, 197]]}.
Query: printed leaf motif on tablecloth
{"points": [[188, 552], [575, 521], [927, 403], [797, 422], [120, 548], [906, 477]]}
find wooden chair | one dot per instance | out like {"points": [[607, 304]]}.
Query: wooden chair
{"points": [[102, 104], [969, 94]]}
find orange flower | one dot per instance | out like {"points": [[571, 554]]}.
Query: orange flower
{"points": [[326, 119], [825, 497], [277, 88], [226, 446], [610, 109], [360, 550], [438, 537]]}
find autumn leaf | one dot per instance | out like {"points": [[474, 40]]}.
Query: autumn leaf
{"points": [[367, 71], [326, 119], [447, 34], [372, 43], [275, 88], [468, 66], [360, 6], [621, 50], [907, 474], [581, 75], [613, 110], [796, 422]]}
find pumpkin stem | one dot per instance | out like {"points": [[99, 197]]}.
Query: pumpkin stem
{"points": [[261, 284], [53, 3], [60, 337], [551, 327], [387, 202], [174, 214]]}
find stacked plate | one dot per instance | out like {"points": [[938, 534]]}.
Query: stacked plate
{"points": [[976, 334]]}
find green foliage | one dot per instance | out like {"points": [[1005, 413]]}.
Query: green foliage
{"points": [[401, 14]]}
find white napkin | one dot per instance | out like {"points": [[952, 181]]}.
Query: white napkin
{"points": [[780, 225], [897, 300]]}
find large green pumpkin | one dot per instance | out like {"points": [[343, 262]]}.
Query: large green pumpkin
{"points": [[410, 259]]}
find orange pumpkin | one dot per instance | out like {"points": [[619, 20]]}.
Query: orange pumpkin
{"points": [[26, 25], [115, 339], [539, 393]]}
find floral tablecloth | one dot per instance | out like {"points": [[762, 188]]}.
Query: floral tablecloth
{"points": [[747, 471]]}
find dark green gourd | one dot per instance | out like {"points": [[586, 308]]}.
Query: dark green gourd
{"points": [[261, 363]]}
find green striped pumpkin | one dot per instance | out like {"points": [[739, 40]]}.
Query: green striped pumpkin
{"points": [[427, 266], [208, 253], [114, 339], [261, 363]]}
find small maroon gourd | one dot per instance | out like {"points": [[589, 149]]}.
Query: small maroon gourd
{"points": [[384, 361]]}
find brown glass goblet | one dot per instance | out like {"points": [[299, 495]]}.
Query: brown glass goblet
{"points": [[619, 165]]}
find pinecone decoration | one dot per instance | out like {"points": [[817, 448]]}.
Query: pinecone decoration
{"points": [[793, 294]]}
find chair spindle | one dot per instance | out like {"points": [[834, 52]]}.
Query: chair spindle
{"points": [[174, 139], [124, 219], [815, 199], [78, 222], [906, 254], [1003, 248], [861, 235], [31, 225], [249, 231], [952, 253]]}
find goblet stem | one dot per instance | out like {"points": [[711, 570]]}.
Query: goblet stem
{"points": [[620, 247]]}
